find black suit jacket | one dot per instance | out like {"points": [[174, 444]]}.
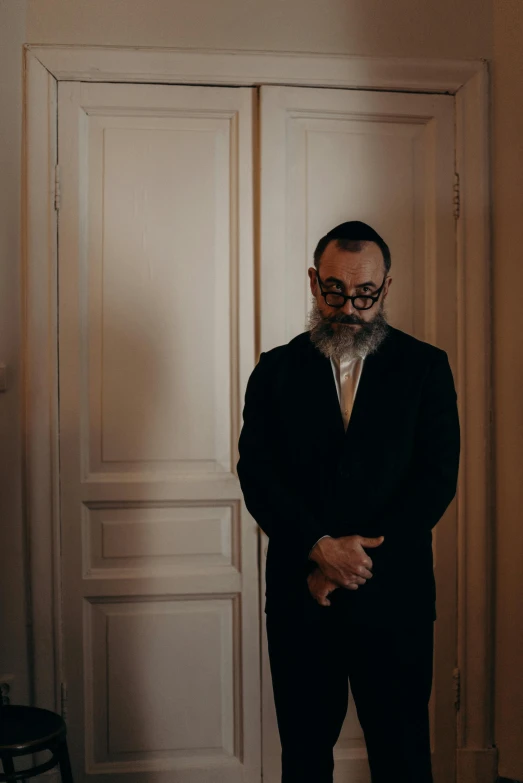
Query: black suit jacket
{"points": [[392, 473]]}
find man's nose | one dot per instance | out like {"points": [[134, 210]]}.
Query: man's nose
{"points": [[348, 308]]}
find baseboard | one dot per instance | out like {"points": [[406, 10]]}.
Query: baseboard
{"points": [[477, 766]]}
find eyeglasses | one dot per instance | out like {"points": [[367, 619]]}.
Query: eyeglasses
{"points": [[335, 299]]}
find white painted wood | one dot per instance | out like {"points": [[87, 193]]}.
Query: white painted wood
{"points": [[159, 557], [323, 153], [388, 159], [41, 381], [246, 68], [193, 683], [476, 524], [466, 78], [149, 300], [153, 537]]}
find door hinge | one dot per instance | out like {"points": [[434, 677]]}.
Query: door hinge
{"points": [[57, 194], [63, 700], [456, 200], [456, 687]]}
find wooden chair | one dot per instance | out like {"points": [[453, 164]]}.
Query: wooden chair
{"points": [[28, 730]]}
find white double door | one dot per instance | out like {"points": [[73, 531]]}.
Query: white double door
{"points": [[160, 304]]}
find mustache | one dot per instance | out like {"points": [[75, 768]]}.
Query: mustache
{"points": [[341, 318]]}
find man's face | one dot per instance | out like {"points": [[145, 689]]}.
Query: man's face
{"points": [[346, 332], [349, 273]]}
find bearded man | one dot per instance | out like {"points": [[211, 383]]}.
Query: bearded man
{"points": [[348, 458]]}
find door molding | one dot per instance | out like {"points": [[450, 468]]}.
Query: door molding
{"points": [[468, 81]]}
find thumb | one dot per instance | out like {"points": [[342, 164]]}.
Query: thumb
{"points": [[372, 542]]}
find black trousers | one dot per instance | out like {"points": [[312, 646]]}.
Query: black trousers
{"points": [[314, 653]]}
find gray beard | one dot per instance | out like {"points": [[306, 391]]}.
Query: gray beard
{"points": [[343, 342]]}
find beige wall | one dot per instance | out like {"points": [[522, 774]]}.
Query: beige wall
{"points": [[508, 377], [13, 650], [406, 28]]}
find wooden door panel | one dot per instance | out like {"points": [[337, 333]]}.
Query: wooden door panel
{"points": [[156, 341], [387, 159], [155, 693], [158, 286]]}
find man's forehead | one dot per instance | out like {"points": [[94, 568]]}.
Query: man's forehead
{"points": [[340, 263]]}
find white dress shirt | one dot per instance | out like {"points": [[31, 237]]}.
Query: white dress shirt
{"points": [[347, 374]]}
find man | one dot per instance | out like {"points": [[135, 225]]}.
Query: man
{"points": [[348, 458]]}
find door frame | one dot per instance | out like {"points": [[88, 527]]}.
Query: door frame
{"points": [[468, 81]]}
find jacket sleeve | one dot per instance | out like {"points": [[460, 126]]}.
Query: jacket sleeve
{"points": [[432, 481], [280, 512]]}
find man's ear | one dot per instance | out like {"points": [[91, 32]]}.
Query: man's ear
{"points": [[387, 286], [312, 279]]}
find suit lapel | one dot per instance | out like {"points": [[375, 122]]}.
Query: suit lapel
{"points": [[321, 392], [315, 386], [369, 404], [346, 455]]}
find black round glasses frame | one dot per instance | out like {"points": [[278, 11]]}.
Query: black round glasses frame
{"points": [[373, 297]]}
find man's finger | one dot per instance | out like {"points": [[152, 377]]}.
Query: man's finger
{"points": [[322, 598], [372, 542]]}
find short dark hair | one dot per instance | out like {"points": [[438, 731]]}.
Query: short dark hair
{"points": [[352, 236]]}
